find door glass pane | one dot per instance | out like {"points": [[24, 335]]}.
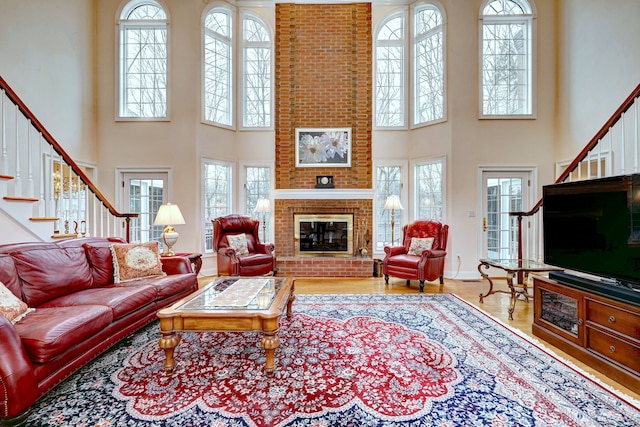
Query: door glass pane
{"points": [[504, 195], [145, 198]]}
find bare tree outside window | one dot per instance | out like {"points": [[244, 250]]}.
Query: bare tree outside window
{"points": [[388, 182], [143, 60], [506, 58], [217, 187], [429, 190], [218, 66], [390, 110], [257, 74], [429, 65]]}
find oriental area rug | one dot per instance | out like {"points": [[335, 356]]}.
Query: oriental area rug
{"points": [[344, 360]]}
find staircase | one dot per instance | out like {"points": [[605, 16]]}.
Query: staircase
{"points": [[45, 194], [614, 150]]}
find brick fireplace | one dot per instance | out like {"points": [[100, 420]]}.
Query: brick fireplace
{"points": [[323, 70]]}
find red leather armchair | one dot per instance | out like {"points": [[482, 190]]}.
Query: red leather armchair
{"points": [[429, 265], [260, 259]]}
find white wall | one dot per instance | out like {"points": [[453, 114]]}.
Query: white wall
{"points": [[599, 66], [46, 56]]}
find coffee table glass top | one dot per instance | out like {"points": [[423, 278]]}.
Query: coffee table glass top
{"points": [[519, 265], [241, 293]]}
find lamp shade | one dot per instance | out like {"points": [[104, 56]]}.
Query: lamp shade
{"points": [[263, 205], [393, 203], [169, 214]]}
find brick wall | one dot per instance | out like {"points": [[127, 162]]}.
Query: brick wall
{"points": [[323, 70]]}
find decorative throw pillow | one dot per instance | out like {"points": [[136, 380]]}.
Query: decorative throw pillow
{"points": [[238, 242], [12, 307], [133, 261], [419, 245]]}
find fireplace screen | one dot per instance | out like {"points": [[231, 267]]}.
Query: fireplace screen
{"points": [[324, 235]]}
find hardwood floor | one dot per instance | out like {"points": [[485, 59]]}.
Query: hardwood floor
{"points": [[496, 304]]}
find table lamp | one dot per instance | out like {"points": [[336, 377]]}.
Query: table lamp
{"points": [[393, 204], [263, 206], [168, 215]]}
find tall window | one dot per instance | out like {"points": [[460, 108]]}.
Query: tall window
{"points": [[258, 186], [221, 64], [388, 182], [143, 60], [429, 189], [218, 66], [217, 191], [507, 58], [428, 65], [256, 63], [390, 70]]}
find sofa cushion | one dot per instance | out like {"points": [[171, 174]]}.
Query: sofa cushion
{"points": [[52, 272], [122, 300], [134, 261], [101, 262], [167, 286], [49, 332], [11, 306], [9, 275], [255, 259]]}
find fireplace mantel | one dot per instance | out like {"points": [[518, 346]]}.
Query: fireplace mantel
{"points": [[324, 194]]}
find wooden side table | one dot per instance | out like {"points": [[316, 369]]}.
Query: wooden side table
{"points": [[195, 258]]}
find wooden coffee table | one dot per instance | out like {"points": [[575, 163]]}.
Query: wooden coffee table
{"points": [[230, 304]]}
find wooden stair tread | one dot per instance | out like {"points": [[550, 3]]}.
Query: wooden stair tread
{"points": [[20, 199], [5, 176], [64, 236], [44, 218]]}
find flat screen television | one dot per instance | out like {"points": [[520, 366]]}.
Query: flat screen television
{"points": [[593, 227]]}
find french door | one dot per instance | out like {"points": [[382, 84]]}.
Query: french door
{"points": [[503, 192], [143, 193]]}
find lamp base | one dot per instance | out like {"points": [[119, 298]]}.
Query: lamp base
{"points": [[169, 237]]}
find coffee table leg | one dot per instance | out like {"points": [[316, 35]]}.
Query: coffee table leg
{"points": [[270, 342], [289, 303], [168, 343]]}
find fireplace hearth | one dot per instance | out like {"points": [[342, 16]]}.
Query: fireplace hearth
{"points": [[323, 235]]}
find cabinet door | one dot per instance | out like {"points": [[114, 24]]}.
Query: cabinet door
{"points": [[560, 311]]}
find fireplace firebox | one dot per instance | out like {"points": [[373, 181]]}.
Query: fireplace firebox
{"points": [[323, 235]]}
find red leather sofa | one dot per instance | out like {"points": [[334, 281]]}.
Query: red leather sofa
{"points": [[79, 312]]}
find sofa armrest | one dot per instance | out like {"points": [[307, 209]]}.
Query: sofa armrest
{"points": [[176, 265], [394, 250], [19, 385], [434, 253], [265, 248]]}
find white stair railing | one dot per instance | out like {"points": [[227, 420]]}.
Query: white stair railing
{"points": [[38, 170]]}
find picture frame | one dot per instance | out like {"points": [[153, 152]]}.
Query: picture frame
{"points": [[323, 147]]}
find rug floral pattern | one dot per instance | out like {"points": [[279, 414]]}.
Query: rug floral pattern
{"points": [[344, 360]]}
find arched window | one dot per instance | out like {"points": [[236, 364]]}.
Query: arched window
{"points": [[218, 66], [507, 62], [428, 57], [390, 71], [143, 60], [256, 62]]}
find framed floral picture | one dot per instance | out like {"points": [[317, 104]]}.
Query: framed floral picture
{"points": [[326, 147]]}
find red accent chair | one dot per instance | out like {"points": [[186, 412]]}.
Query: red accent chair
{"points": [[427, 266], [259, 261]]}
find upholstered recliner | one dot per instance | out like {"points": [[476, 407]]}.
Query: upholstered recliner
{"points": [[419, 261], [258, 260]]}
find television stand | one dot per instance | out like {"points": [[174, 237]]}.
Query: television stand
{"points": [[585, 321]]}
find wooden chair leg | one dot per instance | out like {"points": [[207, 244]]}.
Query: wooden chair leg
{"points": [[408, 283], [421, 285], [441, 280], [386, 279]]}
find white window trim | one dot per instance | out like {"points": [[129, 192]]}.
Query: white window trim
{"points": [[234, 79], [412, 61], [118, 72], [242, 68], [533, 68], [232, 199], [404, 12], [414, 199], [403, 164]]}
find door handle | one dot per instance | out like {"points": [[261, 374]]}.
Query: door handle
{"points": [[484, 224]]}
